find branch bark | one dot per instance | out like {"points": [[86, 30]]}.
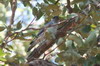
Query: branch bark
{"points": [[13, 7], [69, 6]]}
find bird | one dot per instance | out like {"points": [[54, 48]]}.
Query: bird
{"points": [[46, 33]]}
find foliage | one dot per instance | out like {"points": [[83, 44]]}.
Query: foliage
{"points": [[78, 48]]}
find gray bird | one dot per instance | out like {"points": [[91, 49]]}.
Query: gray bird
{"points": [[46, 33]]}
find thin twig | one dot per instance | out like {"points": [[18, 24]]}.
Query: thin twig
{"points": [[13, 7], [31, 22], [11, 39], [20, 31], [27, 28], [6, 38]]}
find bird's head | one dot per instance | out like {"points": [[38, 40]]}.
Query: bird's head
{"points": [[56, 18]]}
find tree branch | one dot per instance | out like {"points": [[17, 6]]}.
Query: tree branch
{"points": [[69, 7], [13, 7]]}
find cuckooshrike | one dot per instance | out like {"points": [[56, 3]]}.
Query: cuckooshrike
{"points": [[46, 33]]}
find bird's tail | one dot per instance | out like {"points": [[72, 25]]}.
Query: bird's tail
{"points": [[32, 44], [35, 42]]}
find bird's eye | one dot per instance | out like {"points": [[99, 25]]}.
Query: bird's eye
{"points": [[55, 17]]}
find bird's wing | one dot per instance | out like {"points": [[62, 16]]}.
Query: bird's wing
{"points": [[36, 41], [41, 31], [40, 36]]}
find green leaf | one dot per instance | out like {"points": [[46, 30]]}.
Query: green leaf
{"points": [[76, 8], [46, 1], [2, 59], [77, 1], [91, 39], [98, 57], [58, 60], [77, 39], [19, 25], [64, 10], [52, 1], [72, 15], [39, 14], [61, 41], [2, 28], [35, 11], [86, 29], [73, 45], [2, 53], [93, 26], [21, 59], [26, 3], [96, 15], [5, 2], [81, 60]]}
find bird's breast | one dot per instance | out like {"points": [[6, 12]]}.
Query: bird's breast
{"points": [[53, 29]]}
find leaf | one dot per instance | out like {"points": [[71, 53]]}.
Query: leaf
{"points": [[68, 43], [51, 6], [64, 10], [5, 2], [35, 11], [21, 59], [93, 26], [81, 60], [2, 28], [40, 14], [46, 1], [91, 40], [53, 10], [26, 3], [2, 53], [76, 8], [61, 41], [96, 15], [86, 28], [19, 25], [72, 15], [81, 5], [77, 1], [58, 59], [73, 45], [2, 59], [98, 57], [56, 12], [77, 39], [52, 1], [84, 35]]}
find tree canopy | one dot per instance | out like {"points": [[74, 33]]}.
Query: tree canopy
{"points": [[77, 40]]}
